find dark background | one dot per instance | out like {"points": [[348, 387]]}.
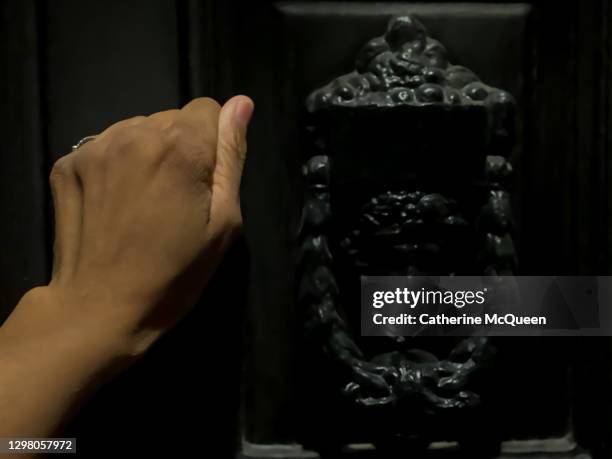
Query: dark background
{"points": [[69, 68]]}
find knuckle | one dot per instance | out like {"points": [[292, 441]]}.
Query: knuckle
{"points": [[208, 102], [123, 124], [164, 115], [134, 142], [161, 120], [214, 105], [60, 170], [126, 141], [202, 110], [130, 121]]}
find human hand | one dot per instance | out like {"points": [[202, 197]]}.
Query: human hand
{"points": [[143, 214]]}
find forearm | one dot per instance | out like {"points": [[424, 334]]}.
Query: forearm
{"points": [[50, 362], [143, 214]]}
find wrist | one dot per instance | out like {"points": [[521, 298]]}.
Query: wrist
{"points": [[67, 319], [56, 356]]}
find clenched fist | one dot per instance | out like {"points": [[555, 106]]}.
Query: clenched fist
{"points": [[143, 214]]}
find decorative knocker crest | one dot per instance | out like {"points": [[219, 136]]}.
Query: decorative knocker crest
{"points": [[423, 220]]}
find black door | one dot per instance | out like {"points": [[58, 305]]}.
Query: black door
{"points": [[70, 68]]}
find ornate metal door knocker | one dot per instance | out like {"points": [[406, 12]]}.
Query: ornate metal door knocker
{"points": [[405, 175]]}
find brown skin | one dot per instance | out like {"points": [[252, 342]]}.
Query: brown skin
{"points": [[143, 215]]}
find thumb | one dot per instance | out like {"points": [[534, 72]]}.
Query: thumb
{"points": [[231, 152], [231, 146]]}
